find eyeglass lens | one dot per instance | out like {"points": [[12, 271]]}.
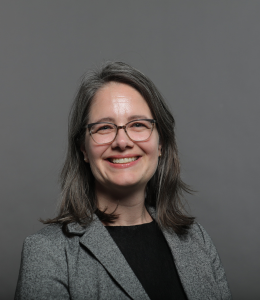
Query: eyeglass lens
{"points": [[103, 133]]}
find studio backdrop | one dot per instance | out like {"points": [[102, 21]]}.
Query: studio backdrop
{"points": [[204, 58]]}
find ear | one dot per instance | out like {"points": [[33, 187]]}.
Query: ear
{"points": [[83, 150]]}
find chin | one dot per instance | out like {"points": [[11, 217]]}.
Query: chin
{"points": [[125, 182]]}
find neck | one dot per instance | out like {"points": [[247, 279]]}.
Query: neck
{"points": [[129, 206]]}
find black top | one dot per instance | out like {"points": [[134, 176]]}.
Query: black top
{"points": [[148, 254]]}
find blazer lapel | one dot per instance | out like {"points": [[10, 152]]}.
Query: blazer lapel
{"points": [[184, 262], [195, 277], [98, 240]]}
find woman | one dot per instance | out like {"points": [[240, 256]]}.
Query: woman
{"points": [[121, 232]]}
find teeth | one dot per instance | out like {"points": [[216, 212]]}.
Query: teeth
{"points": [[123, 160]]}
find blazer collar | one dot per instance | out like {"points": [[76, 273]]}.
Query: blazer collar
{"points": [[190, 269], [98, 240]]}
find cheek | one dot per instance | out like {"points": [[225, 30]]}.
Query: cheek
{"points": [[95, 164], [153, 148], [94, 154], [90, 149], [152, 154]]}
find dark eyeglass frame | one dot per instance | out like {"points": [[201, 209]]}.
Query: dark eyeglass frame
{"points": [[153, 121]]}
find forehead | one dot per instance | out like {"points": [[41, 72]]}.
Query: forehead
{"points": [[118, 101]]}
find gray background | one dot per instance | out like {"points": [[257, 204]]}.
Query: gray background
{"points": [[204, 58]]}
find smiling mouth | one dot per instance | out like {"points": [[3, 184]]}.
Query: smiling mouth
{"points": [[123, 160]]}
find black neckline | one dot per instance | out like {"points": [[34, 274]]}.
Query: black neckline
{"points": [[131, 226]]}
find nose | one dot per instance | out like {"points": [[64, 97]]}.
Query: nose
{"points": [[122, 140]]}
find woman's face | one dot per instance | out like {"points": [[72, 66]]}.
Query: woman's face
{"points": [[120, 103]]}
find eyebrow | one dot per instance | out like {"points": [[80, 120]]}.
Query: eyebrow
{"points": [[112, 120]]}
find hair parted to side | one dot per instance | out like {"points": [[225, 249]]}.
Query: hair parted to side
{"points": [[164, 190]]}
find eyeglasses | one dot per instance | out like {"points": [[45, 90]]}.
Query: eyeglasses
{"points": [[136, 130]]}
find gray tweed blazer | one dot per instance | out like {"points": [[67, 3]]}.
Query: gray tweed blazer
{"points": [[89, 265]]}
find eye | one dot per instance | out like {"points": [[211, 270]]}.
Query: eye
{"points": [[105, 127], [138, 124]]}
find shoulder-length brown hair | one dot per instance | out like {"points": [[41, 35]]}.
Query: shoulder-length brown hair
{"points": [[164, 190]]}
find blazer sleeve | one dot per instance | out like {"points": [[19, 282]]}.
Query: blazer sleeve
{"points": [[43, 271], [217, 268]]}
